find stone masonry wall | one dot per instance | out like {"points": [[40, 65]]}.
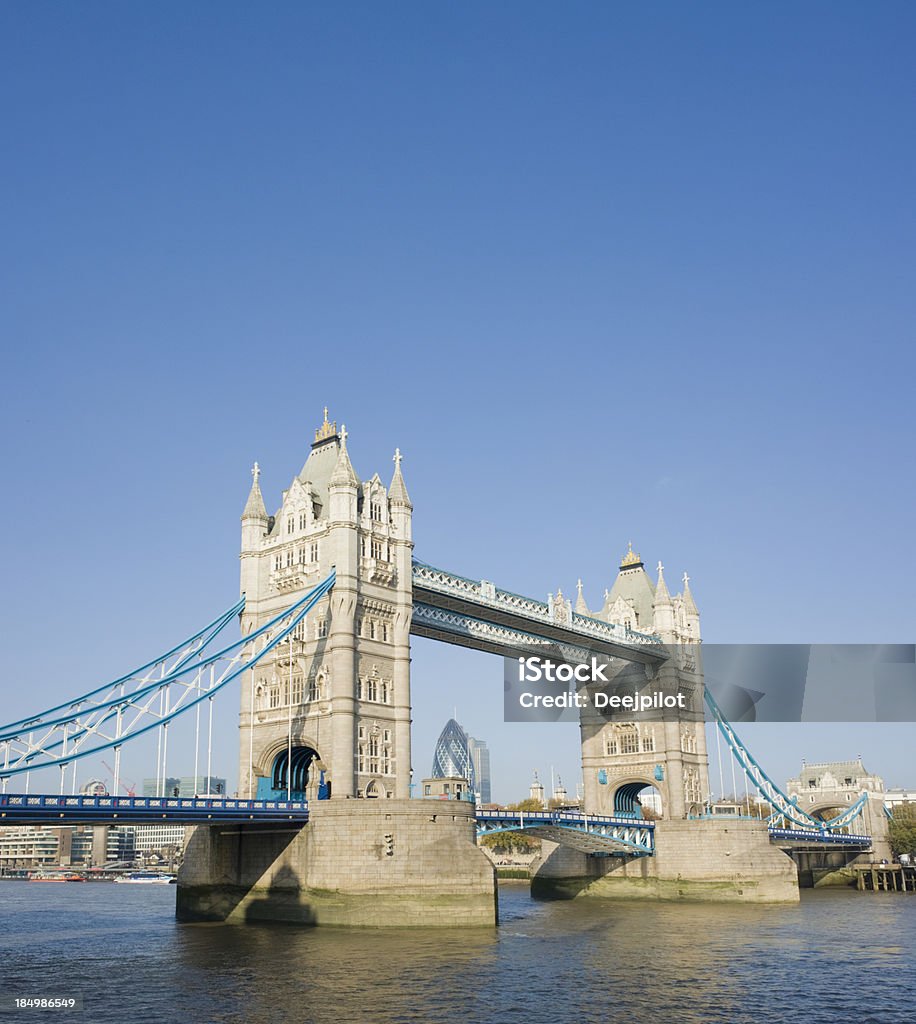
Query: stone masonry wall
{"points": [[369, 863], [694, 860]]}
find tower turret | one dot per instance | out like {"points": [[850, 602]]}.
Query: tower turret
{"points": [[401, 554], [255, 524], [691, 612], [343, 486], [663, 608]]}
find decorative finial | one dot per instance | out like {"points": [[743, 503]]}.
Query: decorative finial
{"points": [[397, 457], [661, 568], [631, 557], [343, 435], [326, 429], [579, 585], [255, 472], [686, 581]]}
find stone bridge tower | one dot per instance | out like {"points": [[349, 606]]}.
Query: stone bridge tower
{"points": [[623, 753], [338, 695]]}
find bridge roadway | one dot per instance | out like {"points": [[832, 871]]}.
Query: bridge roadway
{"points": [[594, 834]]}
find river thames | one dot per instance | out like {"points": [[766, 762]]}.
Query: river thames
{"points": [[839, 956]]}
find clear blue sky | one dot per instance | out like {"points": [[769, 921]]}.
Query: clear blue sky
{"points": [[605, 271]]}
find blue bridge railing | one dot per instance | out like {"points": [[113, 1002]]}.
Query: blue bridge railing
{"points": [[46, 809]]}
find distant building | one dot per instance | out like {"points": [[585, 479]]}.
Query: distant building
{"points": [[35, 846], [536, 792], [896, 797], [447, 788], [160, 838], [186, 786], [480, 757], [452, 756]]}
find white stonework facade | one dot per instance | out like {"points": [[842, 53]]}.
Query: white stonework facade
{"points": [[668, 751], [833, 785], [342, 687]]}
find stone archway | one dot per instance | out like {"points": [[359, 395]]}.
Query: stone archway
{"points": [[631, 796], [297, 772]]}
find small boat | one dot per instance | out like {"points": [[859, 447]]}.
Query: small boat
{"points": [[147, 878], [60, 877]]}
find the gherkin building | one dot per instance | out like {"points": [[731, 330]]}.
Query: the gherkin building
{"points": [[453, 755]]}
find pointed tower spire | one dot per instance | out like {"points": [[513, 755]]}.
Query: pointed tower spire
{"points": [[663, 608], [581, 606], [689, 603], [254, 507], [397, 492], [661, 589], [344, 474]]}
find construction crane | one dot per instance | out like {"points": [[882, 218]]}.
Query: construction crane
{"points": [[129, 787]]}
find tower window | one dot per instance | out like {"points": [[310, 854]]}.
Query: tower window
{"points": [[290, 524], [313, 551], [375, 511], [629, 742]]}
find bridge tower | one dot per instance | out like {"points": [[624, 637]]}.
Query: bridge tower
{"points": [[332, 706], [622, 753]]}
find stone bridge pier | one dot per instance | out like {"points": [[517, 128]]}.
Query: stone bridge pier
{"points": [[357, 863]]}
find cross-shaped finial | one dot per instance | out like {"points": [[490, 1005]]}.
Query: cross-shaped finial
{"points": [[343, 434], [255, 472], [325, 414], [660, 568], [579, 585], [686, 580], [397, 457]]}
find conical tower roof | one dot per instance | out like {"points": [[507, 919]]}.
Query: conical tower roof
{"points": [[397, 492], [689, 603], [661, 589], [344, 475], [254, 507]]}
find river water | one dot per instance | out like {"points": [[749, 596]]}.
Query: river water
{"points": [[840, 956]]}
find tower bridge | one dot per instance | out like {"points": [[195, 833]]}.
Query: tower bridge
{"points": [[332, 594]]}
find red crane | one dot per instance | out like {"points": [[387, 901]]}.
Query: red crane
{"points": [[129, 787]]}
